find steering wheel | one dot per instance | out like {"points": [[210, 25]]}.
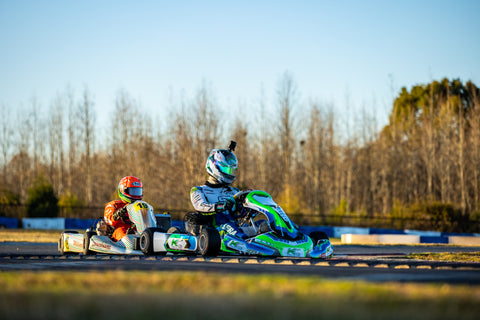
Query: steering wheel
{"points": [[239, 199], [241, 195]]}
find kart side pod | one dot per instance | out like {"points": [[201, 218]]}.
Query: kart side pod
{"points": [[153, 241]]}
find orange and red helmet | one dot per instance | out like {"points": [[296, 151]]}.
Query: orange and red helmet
{"points": [[130, 189]]}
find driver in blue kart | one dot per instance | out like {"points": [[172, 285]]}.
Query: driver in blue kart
{"points": [[214, 200]]}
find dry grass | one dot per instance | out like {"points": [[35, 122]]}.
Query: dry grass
{"points": [[22, 235], [145, 295], [447, 256]]}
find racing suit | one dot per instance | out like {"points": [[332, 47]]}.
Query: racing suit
{"points": [[205, 200], [121, 226]]}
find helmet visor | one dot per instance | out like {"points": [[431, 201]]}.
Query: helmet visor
{"points": [[227, 169], [134, 191]]}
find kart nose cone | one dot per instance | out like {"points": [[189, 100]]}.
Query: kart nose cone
{"points": [[323, 249]]}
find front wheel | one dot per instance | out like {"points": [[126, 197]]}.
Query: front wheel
{"points": [[318, 235], [61, 243], [209, 242], [146, 241]]}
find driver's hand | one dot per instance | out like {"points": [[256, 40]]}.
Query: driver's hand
{"points": [[230, 203], [227, 205], [120, 214]]}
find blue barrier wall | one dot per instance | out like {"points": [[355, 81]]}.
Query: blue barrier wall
{"points": [[433, 239], [73, 223], [385, 231], [10, 223], [332, 232]]}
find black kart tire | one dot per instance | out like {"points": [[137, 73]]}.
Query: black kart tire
{"points": [[146, 241], [318, 235], [86, 242], [209, 242], [61, 242]]}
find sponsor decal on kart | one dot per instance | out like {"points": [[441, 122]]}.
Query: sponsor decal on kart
{"points": [[228, 229], [261, 241], [246, 248], [293, 252], [284, 247], [269, 240], [178, 242], [237, 245], [72, 243], [100, 244]]}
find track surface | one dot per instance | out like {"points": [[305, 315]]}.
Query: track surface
{"points": [[350, 262]]}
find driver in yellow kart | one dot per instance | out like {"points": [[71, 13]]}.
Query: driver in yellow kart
{"points": [[130, 189]]}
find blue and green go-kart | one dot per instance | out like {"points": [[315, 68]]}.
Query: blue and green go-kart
{"points": [[269, 231]]}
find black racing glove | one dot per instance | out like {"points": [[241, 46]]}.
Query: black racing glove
{"points": [[120, 214], [227, 205]]}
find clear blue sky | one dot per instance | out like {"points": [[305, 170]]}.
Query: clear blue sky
{"points": [[333, 49]]}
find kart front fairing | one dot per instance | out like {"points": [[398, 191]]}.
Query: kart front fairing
{"points": [[141, 215], [74, 242], [104, 244], [279, 222], [268, 244], [284, 238]]}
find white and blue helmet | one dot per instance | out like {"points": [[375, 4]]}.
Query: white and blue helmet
{"points": [[222, 165]]}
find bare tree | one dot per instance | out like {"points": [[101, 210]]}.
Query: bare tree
{"points": [[313, 150], [240, 135], [6, 136], [260, 145], [55, 138], [37, 136], [86, 115], [72, 139], [473, 152], [20, 166], [287, 96]]}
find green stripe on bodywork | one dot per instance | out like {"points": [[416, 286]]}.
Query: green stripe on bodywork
{"points": [[223, 247], [265, 239], [279, 222]]}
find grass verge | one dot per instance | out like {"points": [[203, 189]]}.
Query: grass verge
{"points": [[201, 295], [447, 256], [22, 235]]}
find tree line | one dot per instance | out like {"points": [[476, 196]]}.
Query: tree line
{"points": [[420, 170]]}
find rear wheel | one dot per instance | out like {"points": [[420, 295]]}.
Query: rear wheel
{"points": [[86, 242], [146, 241], [209, 242]]}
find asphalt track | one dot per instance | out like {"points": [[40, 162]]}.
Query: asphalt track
{"points": [[350, 262]]}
